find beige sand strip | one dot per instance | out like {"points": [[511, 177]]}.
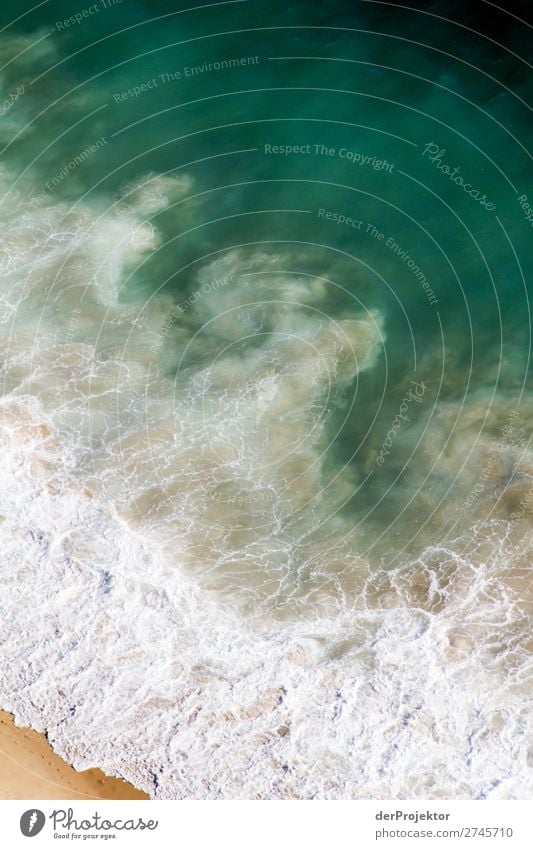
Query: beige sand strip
{"points": [[30, 769]]}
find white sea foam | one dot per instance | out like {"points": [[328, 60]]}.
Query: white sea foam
{"points": [[162, 623]]}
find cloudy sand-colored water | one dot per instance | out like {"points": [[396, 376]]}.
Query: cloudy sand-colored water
{"points": [[267, 484]]}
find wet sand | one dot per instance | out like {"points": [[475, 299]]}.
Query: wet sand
{"points": [[30, 769]]}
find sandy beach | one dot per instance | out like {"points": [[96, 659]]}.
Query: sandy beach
{"points": [[30, 769]]}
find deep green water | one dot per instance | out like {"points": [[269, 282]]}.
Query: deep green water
{"points": [[362, 78]]}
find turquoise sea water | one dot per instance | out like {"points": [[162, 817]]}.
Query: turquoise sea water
{"points": [[266, 341]]}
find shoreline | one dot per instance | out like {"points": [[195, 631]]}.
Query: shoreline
{"points": [[30, 769]]}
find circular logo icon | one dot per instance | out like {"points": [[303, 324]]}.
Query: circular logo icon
{"points": [[32, 822]]}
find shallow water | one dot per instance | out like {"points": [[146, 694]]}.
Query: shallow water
{"points": [[265, 412]]}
